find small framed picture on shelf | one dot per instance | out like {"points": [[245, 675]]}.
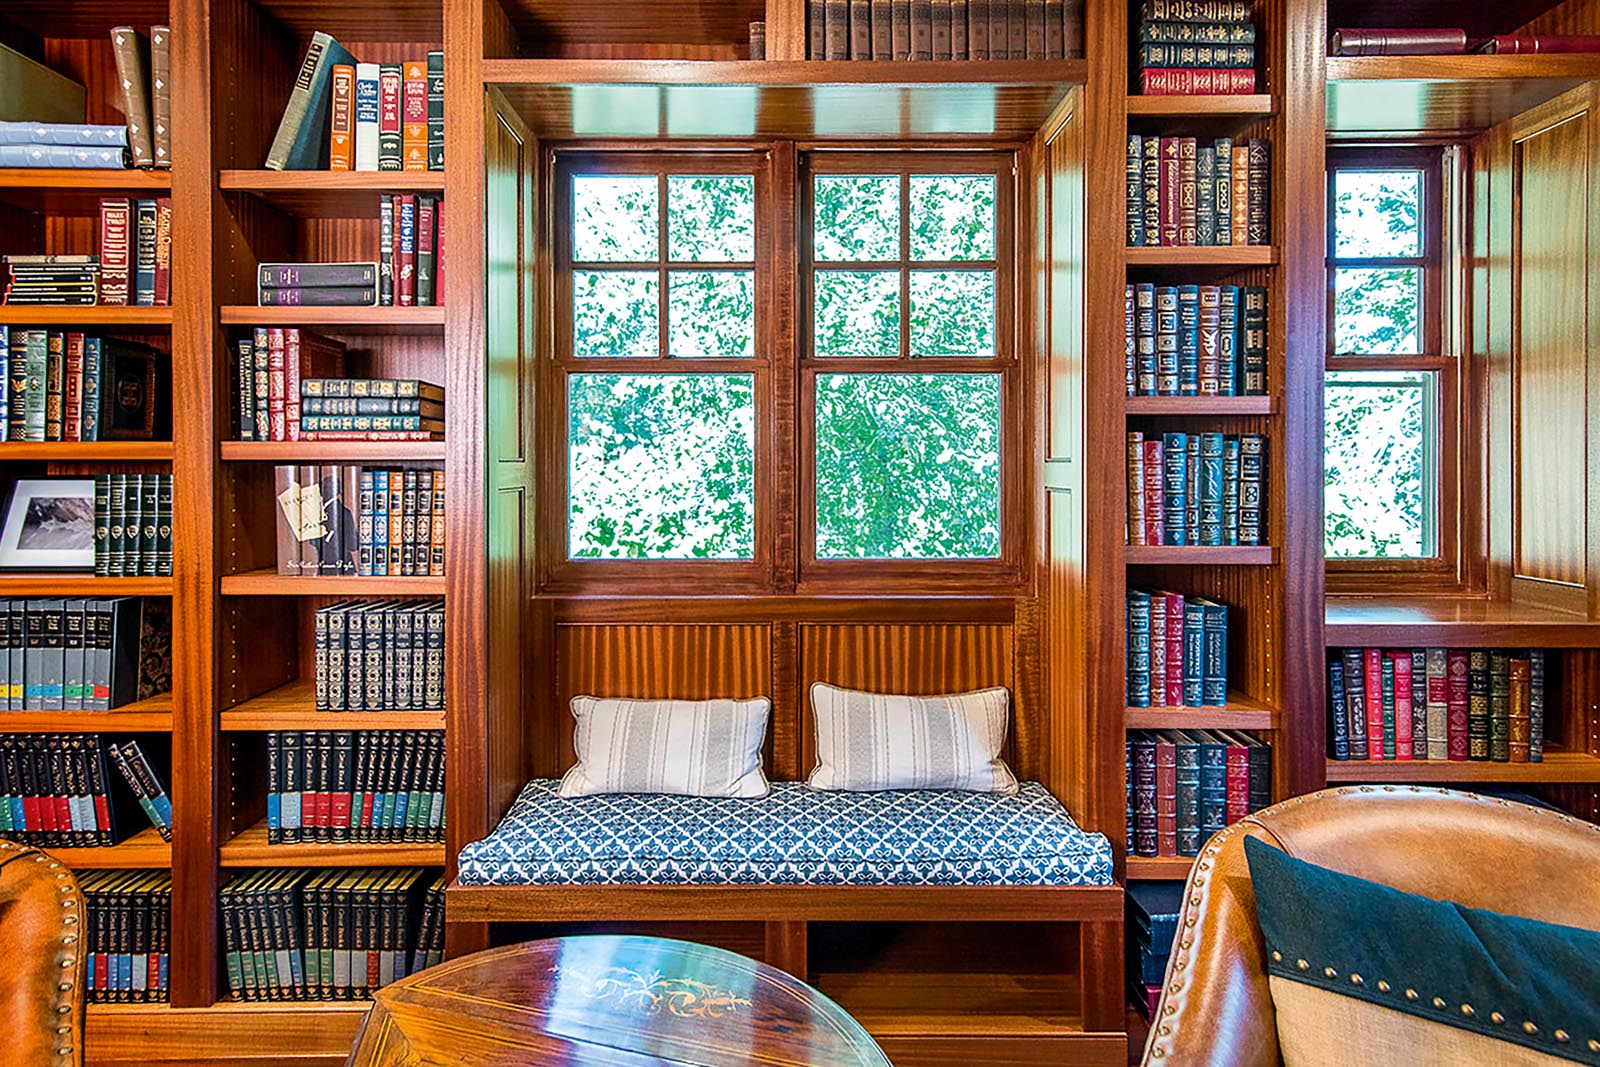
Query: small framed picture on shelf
{"points": [[49, 525]]}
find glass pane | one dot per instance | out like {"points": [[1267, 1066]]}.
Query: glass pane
{"points": [[711, 314], [1377, 311], [857, 218], [711, 219], [615, 219], [614, 313], [952, 217], [661, 466], [908, 466], [857, 313], [1378, 455], [952, 313], [1377, 213]]}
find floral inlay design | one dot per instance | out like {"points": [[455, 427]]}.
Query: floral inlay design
{"points": [[651, 992]]}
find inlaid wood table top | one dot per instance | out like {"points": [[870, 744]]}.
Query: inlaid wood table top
{"points": [[608, 1002]]}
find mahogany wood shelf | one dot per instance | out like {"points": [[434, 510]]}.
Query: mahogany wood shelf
{"points": [[144, 849], [88, 451], [293, 707], [1202, 256], [144, 716], [329, 451], [306, 1033], [1200, 555], [68, 191], [81, 585], [1240, 713], [271, 583], [1202, 405], [1453, 623], [250, 849], [348, 194], [339, 319], [95, 315], [1159, 868], [995, 101], [1556, 767], [1399, 95], [1246, 105]]}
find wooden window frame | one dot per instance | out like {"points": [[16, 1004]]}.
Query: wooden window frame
{"points": [[1442, 319]]}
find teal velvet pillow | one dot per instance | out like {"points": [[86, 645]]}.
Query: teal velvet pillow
{"points": [[1365, 974]]}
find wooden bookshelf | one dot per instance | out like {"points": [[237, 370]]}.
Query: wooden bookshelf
{"points": [[1252, 106], [1159, 868], [249, 848], [329, 194], [69, 317], [1398, 96], [330, 451], [293, 707], [1202, 405], [1201, 555], [1453, 622], [271, 583], [76, 192], [1202, 256], [1557, 767], [358, 320], [144, 849], [1240, 713], [35, 585], [153, 715], [87, 451]]}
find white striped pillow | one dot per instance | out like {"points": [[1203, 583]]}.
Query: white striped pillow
{"points": [[872, 741], [698, 748]]}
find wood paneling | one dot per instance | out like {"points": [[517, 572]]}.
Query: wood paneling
{"points": [[1479, 20], [1440, 96]]}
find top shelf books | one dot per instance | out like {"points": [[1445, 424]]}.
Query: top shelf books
{"points": [[931, 30], [1195, 48]]}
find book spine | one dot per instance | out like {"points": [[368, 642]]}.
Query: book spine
{"points": [[1209, 356], [390, 89], [435, 63], [405, 259], [1458, 685], [161, 96], [302, 138], [1259, 208], [900, 30], [1166, 322], [1478, 704], [1195, 81], [72, 404], [1338, 711], [1166, 798], [1536, 694], [1139, 662], [1211, 491], [1404, 738], [1174, 489], [1222, 190], [1205, 195], [1520, 722], [320, 296], [115, 233], [978, 29], [1396, 42], [1231, 463], [163, 296], [342, 118], [1130, 339], [315, 275], [1252, 483], [131, 52], [942, 37], [921, 15], [34, 394], [836, 22], [1386, 689], [1229, 341], [1135, 191], [55, 385], [1151, 164], [1254, 352], [366, 108], [816, 30], [426, 207], [882, 29], [1499, 707], [1188, 217], [414, 116], [1188, 340], [1171, 190], [144, 257], [1144, 308], [1196, 56], [1215, 679]]}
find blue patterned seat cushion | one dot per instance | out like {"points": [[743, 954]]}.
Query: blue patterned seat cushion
{"points": [[795, 836]]}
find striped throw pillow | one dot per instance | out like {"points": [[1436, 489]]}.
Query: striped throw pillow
{"points": [[872, 741], [697, 748]]}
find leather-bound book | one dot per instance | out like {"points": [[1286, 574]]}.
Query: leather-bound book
{"points": [[1368, 41], [860, 29], [1541, 44], [132, 52]]}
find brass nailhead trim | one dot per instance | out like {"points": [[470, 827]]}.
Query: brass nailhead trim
{"points": [[1355, 979], [1383, 987], [1529, 1028], [1466, 1009], [1438, 1002], [1411, 994], [1277, 957], [1594, 1046], [1302, 964], [1330, 972], [1496, 1018], [1562, 1036]]}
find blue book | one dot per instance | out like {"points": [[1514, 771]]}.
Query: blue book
{"points": [[1167, 340], [1188, 795], [1213, 784], [1193, 653], [89, 420], [1188, 340], [1215, 659], [1228, 338], [1337, 711], [301, 142], [1230, 490], [1191, 511], [63, 134], [63, 157], [1205, 196], [1138, 649], [1252, 481], [1175, 486], [144, 253], [1211, 488]]}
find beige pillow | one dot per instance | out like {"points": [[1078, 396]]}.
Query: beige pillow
{"points": [[698, 748], [873, 741]]}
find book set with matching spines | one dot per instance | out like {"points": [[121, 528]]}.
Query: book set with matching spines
{"points": [[83, 653], [130, 761], [271, 364], [381, 655], [56, 791], [1177, 651], [371, 409], [1195, 340], [345, 115], [408, 272], [52, 280], [1195, 48], [66, 385], [339, 934], [1206, 489], [129, 935], [371, 786], [351, 521], [144, 140], [926, 30], [1437, 704], [133, 525], [1186, 785], [1183, 193]]}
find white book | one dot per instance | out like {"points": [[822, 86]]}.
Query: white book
{"points": [[366, 116]]}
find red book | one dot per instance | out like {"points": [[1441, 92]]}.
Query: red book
{"points": [[276, 384], [1459, 680], [1166, 797], [438, 255], [374, 975], [339, 810], [1404, 743], [414, 118], [32, 817], [1542, 44], [1238, 765], [102, 817], [341, 119], [405, 251], [115, 219], [1155, 497], [1174, 650], [1158, 650], [1170, 81], [163, 251], [72, 426], [1171, 190], [1372, 674], [366, 814]]}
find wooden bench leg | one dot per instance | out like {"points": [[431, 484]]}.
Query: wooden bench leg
{"points": [[1100, 970], [786, 947]]}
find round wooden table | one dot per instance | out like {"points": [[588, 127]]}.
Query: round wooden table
{"points": [[607, 1002]]}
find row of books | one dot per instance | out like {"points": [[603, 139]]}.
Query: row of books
{"points": [[1177, 650], [902, 30], [355, 785], [382, 655], [55, 790], [1180, 192], [1185, 785], [1437, 704], [83, 654], [136, 251], [1171, 32], [359, 521], [1195, 340], [68, 145], [66, 385], [407, 273], [1453, 41], [272, 362], [330, 934], [1196, 488], [129, 935], [345, 115], [133, 525]]}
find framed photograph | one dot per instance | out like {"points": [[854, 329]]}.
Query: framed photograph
{"points": [[49, 525]]}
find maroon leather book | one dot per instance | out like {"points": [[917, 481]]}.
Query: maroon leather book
{"points": [[1367, 41], [1540, 44], [1166, 797], [1238, 780], [1459, 682]]}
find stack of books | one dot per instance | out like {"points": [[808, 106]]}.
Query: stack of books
{"points": [[350, 521], [1153, 908], [136, 252], [331, 934], [344, 115], [1177, 651], [1180, 192], [1186, 785], [317, 285], [133, 525], [1196, 488], [1437, 704], [272, 364], [920, 30], [52, 280], [371, 409], [83, 654], [56, 791], [1196, 340], [385, 655], [71, 386], [129, 935], [63, 145], [355, 785], [1196, 48]]}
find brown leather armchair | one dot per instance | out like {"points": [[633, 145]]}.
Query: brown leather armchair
{"points": [[1216, 1007], [41, 930]]}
